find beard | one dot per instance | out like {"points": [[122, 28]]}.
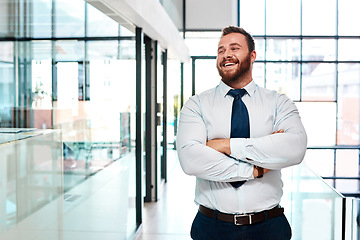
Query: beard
{"points": [[232, 76]]}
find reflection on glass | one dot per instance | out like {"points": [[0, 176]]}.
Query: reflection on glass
{"points": [[319, 119], [348, 15], [69, 21], [5, 20], [69, 50], [41, 18], [41, 50], [99, 24], [7, 83], [318, 81], [284, 78], [67, 87], [41, 71], [318, 50], [348, 101], [280, 22], [7, 94], [253, 21], [6, 51], [30, 183], [319, 17], [110, 50]]}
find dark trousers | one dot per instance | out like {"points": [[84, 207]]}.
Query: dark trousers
{"points": [[206, 228]]}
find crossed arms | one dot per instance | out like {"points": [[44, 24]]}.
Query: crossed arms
{"points": [[227, 160]]}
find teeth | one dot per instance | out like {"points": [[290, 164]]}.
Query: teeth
{"points": [[228, 64]]}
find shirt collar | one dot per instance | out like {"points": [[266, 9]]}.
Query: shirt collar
{"points": [[224, 89]]}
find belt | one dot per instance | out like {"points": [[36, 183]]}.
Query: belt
{"points": [[242, 219]]}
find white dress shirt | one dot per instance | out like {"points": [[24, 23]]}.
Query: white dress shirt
{"points": [[207, 116]]}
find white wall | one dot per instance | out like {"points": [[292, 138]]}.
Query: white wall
{"points": [[210, 14]]}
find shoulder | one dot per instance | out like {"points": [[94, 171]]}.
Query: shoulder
{"points": [[195, 102], [272, 94], [203, 96], [208, 93], [279, 101]]}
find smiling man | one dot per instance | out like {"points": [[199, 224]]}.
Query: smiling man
{"points": [[236, 138]]}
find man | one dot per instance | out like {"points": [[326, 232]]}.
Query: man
{"points": [[276, 140]]}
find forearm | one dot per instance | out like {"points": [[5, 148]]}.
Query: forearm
{"points": [[223, 146], [273, 152], [206, 163]]}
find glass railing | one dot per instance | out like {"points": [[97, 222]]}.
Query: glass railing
{"points": [[315, 210], [40, 200], [89, 147], [30, 183], [352, 219]]}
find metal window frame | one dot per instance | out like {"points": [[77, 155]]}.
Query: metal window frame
{"points": [[300, 37]]}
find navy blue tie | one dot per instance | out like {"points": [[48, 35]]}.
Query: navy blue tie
{"points": [[240, 126]]}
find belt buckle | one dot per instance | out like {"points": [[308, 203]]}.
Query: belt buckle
{"points": [[242, 215]]}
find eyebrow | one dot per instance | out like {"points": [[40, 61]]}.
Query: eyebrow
{"points": [[231, 44]]}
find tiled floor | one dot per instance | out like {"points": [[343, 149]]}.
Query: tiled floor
{"points": [[170, 218]]}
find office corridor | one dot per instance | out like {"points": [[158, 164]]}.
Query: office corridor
{"points": [[170, 218]]}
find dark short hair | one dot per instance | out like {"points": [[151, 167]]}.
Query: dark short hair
{"points": [[249, 38]]}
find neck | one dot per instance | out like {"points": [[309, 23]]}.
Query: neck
{"points": [[241, 84], [241, 81]]}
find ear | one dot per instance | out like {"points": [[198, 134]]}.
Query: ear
{"points": [[253, 56]]}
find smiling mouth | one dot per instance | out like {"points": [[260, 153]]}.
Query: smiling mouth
{"points": [[228, 64]]}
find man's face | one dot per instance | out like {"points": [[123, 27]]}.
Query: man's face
{"points": [[234, 59]]}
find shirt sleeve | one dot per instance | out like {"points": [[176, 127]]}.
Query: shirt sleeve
{"points": [[278, 150], [199, 160]]}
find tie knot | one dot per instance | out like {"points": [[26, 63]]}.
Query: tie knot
{"points": [[237, 93]]}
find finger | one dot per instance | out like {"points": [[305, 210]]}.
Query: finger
{"points": [[279, 131]]}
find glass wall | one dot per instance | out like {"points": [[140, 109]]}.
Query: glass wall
{"points": [[173, 100], [313, 57], [65, 65]]}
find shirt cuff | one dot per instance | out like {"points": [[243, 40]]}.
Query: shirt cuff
{"points": [[237, 148]]}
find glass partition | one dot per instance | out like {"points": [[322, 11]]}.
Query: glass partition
{"points": [[30, 183], [352, 230], [75, 71], [313, 208]]}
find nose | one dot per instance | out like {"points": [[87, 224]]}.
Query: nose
{"points": [[227, 54]]}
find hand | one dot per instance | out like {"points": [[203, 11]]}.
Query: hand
{"points": [[279, 131], [259, 171], [220, 145]]}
